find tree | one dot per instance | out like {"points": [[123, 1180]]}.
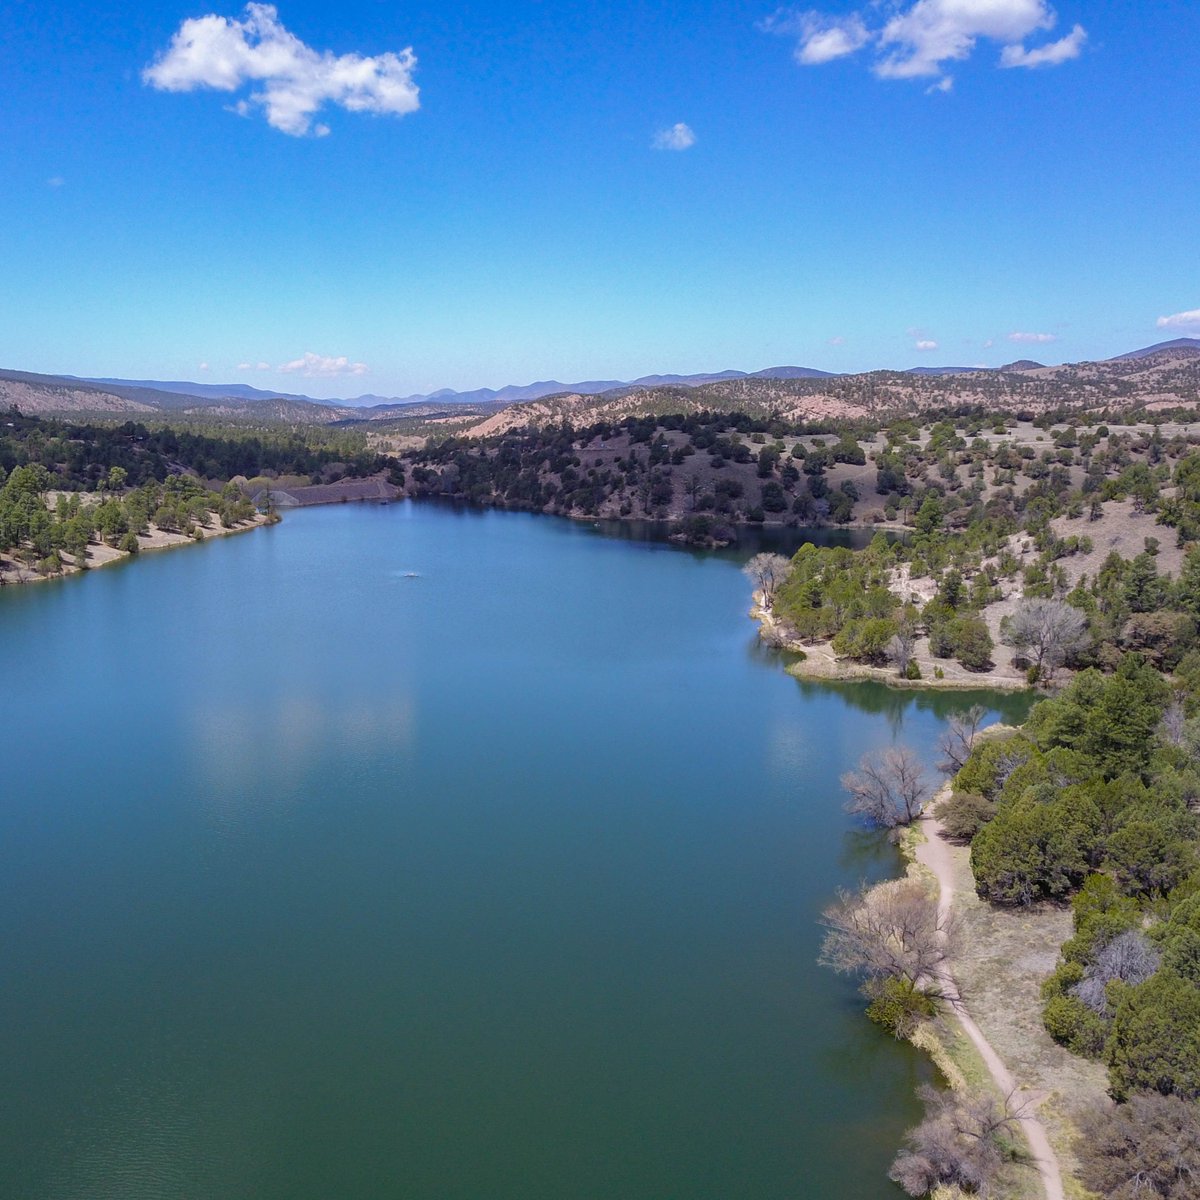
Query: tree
{"points": [[768, 571], [894, 930], [1145, 1149], [972, 642], [1048, 631], [889, 789], [902, 648], [957, 739], [962, 1143], [1155, 1040]]}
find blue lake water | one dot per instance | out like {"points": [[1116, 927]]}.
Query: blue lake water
{"points": [[496, 880]]}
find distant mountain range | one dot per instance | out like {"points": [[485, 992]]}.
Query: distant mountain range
{"points": [[511, 394], [65, 393]]}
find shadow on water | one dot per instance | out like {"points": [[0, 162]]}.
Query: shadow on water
{"points": [[878, 699], [750, 539]]}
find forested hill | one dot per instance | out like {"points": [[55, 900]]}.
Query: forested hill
{"points": [[80, 456]]}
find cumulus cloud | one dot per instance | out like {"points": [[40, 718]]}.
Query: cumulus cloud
{"points": [[322, 367], [292, 80], [1046, 56], [1037, 338], [819, 38], [918, 39], [926, 344], [678, 137], [1181, 320]]}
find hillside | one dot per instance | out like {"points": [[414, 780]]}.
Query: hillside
{"points": [[1157, 377]]}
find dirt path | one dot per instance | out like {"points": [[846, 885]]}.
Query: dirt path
{"points": [[935, 854]]}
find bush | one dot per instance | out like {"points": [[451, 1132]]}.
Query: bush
{"points": [[1147, 1148], [1155, 1039], [964, 814], [972, 642], [1069, 1021], [898, 1005]]}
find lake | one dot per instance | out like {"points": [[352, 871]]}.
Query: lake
{"points": [[416, 852]]}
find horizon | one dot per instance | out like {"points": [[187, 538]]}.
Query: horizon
{"points": [[431, 198], [349, 396]]}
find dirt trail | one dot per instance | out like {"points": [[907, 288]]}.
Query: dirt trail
{"points": [[935, 854]]}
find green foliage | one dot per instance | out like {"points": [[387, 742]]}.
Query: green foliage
{"points": [[1155, 1039], [898, 1005]]}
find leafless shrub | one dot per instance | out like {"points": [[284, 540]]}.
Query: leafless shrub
{"points": [[963, 1142], [892, 930], [888, 789], [1143, 1150], [1130, 957]]}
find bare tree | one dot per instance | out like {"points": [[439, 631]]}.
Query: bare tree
{"points": [[768, 571], [894, 930], [888, 789], [1173, 728], [963, 1142], [1048, 632], [1148, 1148], [902, 648], [1130, 957], [958, 738]]}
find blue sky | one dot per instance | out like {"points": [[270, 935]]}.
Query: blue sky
{"points": [[581, 191]]}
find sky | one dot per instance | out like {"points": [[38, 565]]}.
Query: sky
{"points": [[388, 198]]}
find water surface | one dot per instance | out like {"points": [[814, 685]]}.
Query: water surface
{"points": [[406, 851]]}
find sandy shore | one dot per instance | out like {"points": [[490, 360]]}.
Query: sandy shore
{"points": [[820, 662], [101, 555]]}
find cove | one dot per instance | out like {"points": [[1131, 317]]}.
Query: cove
{"points": [[416, 852]]}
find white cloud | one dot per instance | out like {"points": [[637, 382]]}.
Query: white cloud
{"points": [[819, 38], [262, 366], [1038, 338], [296, 80], [918, 39], [321, 366], [926, 344], [989, 343], [203, 367], [678, 137], [55, 181], [837, 341], [1046, 56], [1181, 320], [243, 366]]}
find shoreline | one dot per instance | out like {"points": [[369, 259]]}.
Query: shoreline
{"points": [[100, 555], [931, 854], [817, 662]]}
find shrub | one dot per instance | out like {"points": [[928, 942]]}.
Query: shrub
{"points": [[964, 814], [898, 1005], [1147, 1148]]}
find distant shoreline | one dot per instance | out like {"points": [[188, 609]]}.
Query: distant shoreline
{"points": [[100, 555]]}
